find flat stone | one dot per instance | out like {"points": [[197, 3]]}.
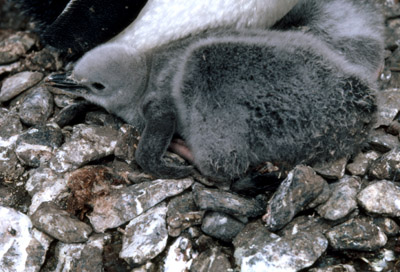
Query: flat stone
{"points": [[299, 189], [380, 141], [343, 199], [16, 84], [10, 125], [382, 197], [145, 236], [15, 46], [128, 139], [71, 114], [356, 234], [226, 202], [179, 256], [87, 143], [333, 170], [221, 226], [386, 167], [361, 163], [388, 103], [36, 107], [212, 259], [288, 254], [309, 224], [123, 204], [59, 224], [22, 248], [35, 146]]}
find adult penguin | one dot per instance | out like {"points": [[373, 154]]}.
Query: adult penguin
{"points": [[79, 25]]}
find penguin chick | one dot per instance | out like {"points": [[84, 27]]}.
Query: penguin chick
{"points": [[82, 24], [236, 100]]}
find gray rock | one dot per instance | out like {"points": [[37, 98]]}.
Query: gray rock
{"points": [[361, 163], [10, 168], [45, 185], [308, 224], [322, 197], [382, 197], [299, 189], [22, 248], [388, 225], [10, 124], [8, 197], [386, 167], [226, 202], [123, 204], [179, 256], [128, 140], [211, 260], [70, 113], [87, 143], [221, 226], [382, 142], [102, 118], [59, 224], [356, 234], [62, 100], [18, 83], [291, 253], [36, 107], [85, 257], [335, 268], [333, 170], [388, 103], [15, 46], [145, 236], [35, 146], [343, 199]]}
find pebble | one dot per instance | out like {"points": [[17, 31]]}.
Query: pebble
{"points": [[22, 248], [299, 189], [381, 197], [212, 259], [128, 140], [16, 84], [387, 166], [71, 114], [388, 225], [382, 142], [335, 268], [36, 145], [356, 234], [334, 170], [311, 223], [221, 226], [145, 236], [37, 107], [87, 143], [123, 204], [10, 168], [179, 256], [226, 202], [10, 124], [361, 163], [288, 254], [16, 45], [59, 224], [388, 103], [342, 200]]}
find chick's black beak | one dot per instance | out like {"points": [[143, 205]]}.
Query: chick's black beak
{"points": [[64, 81]]}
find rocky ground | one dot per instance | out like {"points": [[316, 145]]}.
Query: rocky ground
{"points": [[73, 199]]}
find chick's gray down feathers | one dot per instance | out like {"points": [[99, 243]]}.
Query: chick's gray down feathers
{"points": [[292, 95]]}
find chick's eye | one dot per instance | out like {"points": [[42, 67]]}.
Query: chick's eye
{"points": [[98, 86]]}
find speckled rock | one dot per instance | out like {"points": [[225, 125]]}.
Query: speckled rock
{"points": [[10, 124], [35, 146], [36, 107], [128, 140], [59, 224], [22, 248], [361, 163], [226, 202], [305, 224], [356, 234], [15, 46], [212, 259], [145, 236], [386, 167], [103, 118], [85, 257], [10, 168], [16, 84], [287, 254], [179, 256], [44, 185], [221, 226], [87, 143], [382, 197], [343, 199], [335, 268], [300, 188], [333, 170], [388, 225], [123, 204], [388, 103], [382, 142]]}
